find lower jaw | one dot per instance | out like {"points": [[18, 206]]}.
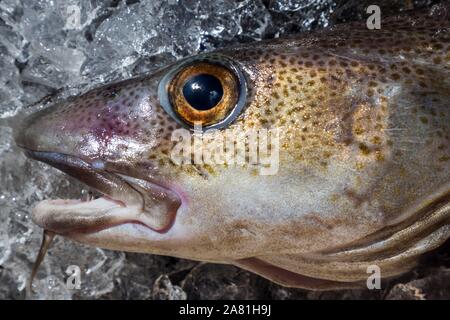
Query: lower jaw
{"points": [[66, 217], [127, 236]]}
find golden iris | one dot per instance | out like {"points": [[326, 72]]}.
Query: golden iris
{"points": [[203, 93]]}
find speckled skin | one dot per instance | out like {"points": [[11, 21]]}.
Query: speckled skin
{"points": [[364, 174]]}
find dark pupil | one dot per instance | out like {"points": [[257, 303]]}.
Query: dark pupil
{"points": [[203, 91]]}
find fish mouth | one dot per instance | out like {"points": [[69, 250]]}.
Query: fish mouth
{"points": [[122, 199]]}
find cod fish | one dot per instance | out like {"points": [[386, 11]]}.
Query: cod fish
{"points": [[362, 149]]}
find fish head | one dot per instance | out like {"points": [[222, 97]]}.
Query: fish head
{"points": [[213, 183], [286, 149], [142, 145]]}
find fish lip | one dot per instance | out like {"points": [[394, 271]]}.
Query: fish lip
{"points": [[72, 165], [85, 231], [77, 168]]}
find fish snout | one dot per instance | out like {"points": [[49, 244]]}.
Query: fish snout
{"points": [[40, 132], [111, 122]]}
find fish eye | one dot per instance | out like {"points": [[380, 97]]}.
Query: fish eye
{"points": [[203, 91]]}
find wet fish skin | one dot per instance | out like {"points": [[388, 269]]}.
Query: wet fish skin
{"points": [[364, 173]]}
